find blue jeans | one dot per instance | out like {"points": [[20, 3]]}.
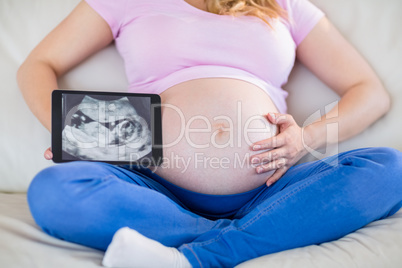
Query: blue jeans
{"points": [[316, 202]]}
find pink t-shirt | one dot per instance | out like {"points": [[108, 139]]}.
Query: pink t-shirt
{"points": [[166, 42]]}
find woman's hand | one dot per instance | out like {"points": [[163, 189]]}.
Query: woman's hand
{"points": [[281, 151], [48, 154]]}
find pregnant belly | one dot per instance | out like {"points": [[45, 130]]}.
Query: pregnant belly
{"points": [[208, 126]]}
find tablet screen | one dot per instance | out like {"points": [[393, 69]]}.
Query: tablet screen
{"points": [[106, 127]]}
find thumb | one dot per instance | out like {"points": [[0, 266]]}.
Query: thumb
{"points": [[284, 120], [272, 117]]}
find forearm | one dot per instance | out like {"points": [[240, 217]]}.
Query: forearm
{"points": [[36, 81], [358, 108]]}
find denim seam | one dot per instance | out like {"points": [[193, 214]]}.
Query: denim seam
{"points": [[320, 168], [195, 255], [258, 216]]}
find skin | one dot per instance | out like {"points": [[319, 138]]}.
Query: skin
{"points": [[324, 51], [363, 99]]}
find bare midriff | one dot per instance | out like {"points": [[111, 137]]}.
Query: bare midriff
{"points": [[208, 127]]}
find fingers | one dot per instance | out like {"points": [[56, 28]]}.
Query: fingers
{"points": [[284, 121], [272, 117], [281, 119], [48, 154], [269, 156], [276, 141], [276, 164], [276, 176], [281, 151]]}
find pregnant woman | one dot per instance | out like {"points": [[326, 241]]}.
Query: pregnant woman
{"points": [[228, 190]]}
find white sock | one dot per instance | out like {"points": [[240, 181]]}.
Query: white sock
{"points": [[131, 249]]}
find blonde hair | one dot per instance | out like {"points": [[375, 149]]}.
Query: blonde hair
{"points": [[258, 8]]}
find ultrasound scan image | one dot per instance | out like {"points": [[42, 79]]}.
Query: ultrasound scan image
{"points": [[106, 128]]}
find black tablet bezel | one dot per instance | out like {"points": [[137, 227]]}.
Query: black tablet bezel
{"points": [[156, 126]]}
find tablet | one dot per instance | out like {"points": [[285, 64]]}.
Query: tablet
{"points": [[111, 127]]}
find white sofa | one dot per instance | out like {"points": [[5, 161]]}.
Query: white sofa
{"points": [[373, 26]]}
